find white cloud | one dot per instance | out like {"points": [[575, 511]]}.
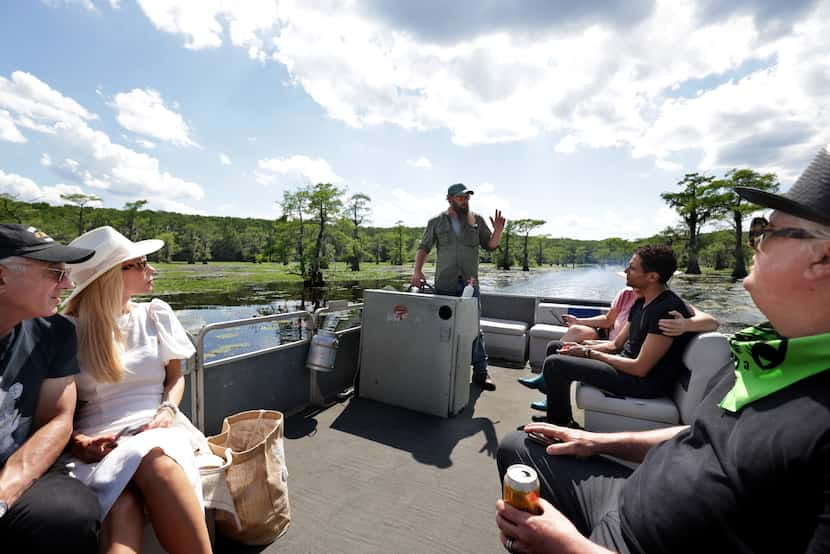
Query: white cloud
{"points": [[144, 112], [168, 205], [607, 81], [82, 154], [146, 144], [195, 20], [224, 159], [667, 165], [421, 162], [32, 104], [85, 4], [26, 190], [295, 171], [8, 130]]}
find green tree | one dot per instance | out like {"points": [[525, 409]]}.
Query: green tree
{"points": [[131, 209], [166, 253], [325, 205], [399, 227], [11, 207], [295, 205], [524, 227], [80, 200], [698, 202], [739, 209], [506, 261], [358, 210]]}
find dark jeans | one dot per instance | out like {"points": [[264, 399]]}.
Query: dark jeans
{"points": [[586, 490], [56, 514], [479, 354], [561, 370]]}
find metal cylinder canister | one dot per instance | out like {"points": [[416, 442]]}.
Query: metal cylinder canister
{"points": [[521, 488], [322, 352]]}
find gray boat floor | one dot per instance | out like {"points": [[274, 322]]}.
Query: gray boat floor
{"points": [[369, 477]]}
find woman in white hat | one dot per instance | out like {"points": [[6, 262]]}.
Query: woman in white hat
{"points": [[131, 444]]}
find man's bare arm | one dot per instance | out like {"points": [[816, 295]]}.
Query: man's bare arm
{"points": [[53, 421], [628, 445], [418, 273]]}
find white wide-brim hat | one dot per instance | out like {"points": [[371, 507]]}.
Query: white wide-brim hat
{"points": [[111, 249]]}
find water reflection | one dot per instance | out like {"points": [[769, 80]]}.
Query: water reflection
{"points": [[719, 295]]}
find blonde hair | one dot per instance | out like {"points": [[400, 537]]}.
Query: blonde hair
{"points": [[97, 309]]}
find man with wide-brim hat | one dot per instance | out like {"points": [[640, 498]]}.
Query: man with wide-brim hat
{"points": [[40, 510], [458, 233], [751, 473]]}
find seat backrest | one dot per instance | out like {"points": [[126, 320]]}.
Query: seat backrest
{"points": [[705, 355]]}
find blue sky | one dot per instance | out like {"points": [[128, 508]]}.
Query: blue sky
{"points": [[578, 114]]}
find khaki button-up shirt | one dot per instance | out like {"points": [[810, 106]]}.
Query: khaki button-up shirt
{"points": [[457, 254]]}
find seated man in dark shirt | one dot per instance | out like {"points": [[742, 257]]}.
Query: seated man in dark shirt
{"points": [[642, 360], [752, 471], [41, 509]]}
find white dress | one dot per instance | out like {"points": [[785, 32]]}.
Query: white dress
{"points": [[153, 336]]}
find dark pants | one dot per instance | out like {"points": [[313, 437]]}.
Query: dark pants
{"points": [[586, 490], [56, 514], [561, 370]]}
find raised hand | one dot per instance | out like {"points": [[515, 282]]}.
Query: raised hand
{"points": [[497, 222]]}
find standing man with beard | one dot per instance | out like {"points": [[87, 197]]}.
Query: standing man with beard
{"points": [[459, 233]]}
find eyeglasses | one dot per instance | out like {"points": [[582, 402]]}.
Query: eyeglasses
{"points": [[759, 230], [58, 273], [140, 264]]}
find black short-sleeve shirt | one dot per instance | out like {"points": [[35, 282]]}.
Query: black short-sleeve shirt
{"points": [[644, 319], [36, 349], [753, 481]]}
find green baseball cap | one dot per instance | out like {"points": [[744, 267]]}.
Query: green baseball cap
{"points": [[458, 189]]}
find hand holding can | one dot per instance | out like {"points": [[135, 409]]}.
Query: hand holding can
{"points": [[521, 488]]}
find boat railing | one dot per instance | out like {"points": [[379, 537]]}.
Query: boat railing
{"points": [[201, 367], [274, 376]]}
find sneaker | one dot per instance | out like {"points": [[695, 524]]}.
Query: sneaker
{"points": [[484, 382], [539, 418]]}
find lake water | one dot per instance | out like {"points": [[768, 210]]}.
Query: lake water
{"points": [[720, 296]]}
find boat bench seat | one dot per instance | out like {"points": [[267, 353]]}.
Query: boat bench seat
{"points": [[705, 355], [549, 325], [505, 339]]}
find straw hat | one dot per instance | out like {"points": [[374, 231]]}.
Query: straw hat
{"points": [[111, 249]]}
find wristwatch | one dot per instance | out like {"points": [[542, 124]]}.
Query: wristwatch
{"points": [[3, 508]]}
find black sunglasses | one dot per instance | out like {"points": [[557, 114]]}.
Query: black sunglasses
{"points": [[759, 230], [140, 264]]}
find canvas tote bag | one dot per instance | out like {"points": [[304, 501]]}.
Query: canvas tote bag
{"points": [[257, 477]]}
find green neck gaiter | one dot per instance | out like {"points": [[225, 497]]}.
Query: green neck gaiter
{"points": [[766, 362]]}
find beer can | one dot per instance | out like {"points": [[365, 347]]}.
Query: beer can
{"points": [[521, 488]]}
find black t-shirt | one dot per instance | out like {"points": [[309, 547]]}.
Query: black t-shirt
{"points": [[753, 481], [36, 349], [644, 319]]}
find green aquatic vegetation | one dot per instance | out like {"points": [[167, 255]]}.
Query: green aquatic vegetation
{"points": [[225, 348], [227, 335]]}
